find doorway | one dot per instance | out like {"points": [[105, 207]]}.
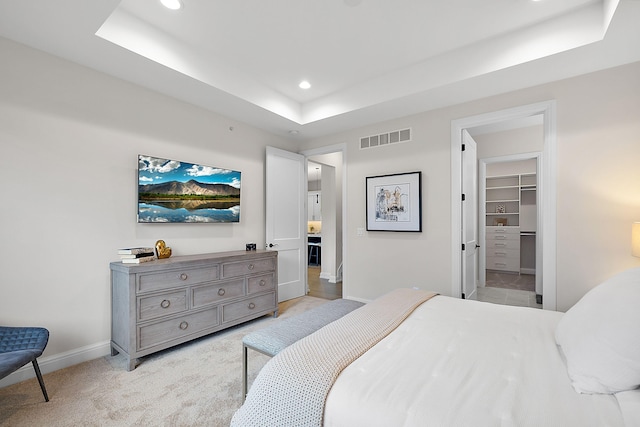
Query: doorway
{"points": [[547, 189], [325, 206], [508, 215]]}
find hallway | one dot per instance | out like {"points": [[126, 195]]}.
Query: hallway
{"points": [[321, 288]]}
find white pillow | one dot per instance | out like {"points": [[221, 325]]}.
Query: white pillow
{"points": [[600, 336]]}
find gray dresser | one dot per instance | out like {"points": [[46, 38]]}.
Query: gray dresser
{"points": [[165, 302]]}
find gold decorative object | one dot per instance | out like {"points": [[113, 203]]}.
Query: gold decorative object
{"points": [[162, 251]]}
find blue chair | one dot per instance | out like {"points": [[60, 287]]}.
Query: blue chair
{"points": [[19, 346]]}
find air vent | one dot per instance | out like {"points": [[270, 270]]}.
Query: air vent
{"points": [[383, 139]]}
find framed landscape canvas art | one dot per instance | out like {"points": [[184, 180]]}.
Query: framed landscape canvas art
{"points": [[394, 202], [172, 191]]}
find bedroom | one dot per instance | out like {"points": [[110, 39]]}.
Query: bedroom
{"points": [[67, 131]]}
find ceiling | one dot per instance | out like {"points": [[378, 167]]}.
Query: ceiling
{"points": [[367, 60]]}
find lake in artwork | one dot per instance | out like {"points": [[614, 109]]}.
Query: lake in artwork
{"points": [[185, 211]]}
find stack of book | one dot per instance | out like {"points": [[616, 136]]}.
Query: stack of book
{"points": [[136, 255]]}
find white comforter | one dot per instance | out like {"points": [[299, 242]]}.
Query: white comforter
{"points": [[464, 363]]}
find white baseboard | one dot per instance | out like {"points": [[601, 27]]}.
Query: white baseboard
{"points": [[330, 278], [58, 361]]}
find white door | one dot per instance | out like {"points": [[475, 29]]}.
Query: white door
{"points": [[286, 221], [469, 218]]}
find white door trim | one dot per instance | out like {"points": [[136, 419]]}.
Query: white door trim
{"points": [[470, 190], [547, 180]]}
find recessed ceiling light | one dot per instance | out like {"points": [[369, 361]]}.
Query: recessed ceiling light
{"points": [[172, 4], [304, 84]]}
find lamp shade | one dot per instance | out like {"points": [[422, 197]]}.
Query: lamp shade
{"points": [[635, 239]]}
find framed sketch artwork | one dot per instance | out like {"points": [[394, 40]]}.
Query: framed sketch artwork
{"points": [[394, 202]]}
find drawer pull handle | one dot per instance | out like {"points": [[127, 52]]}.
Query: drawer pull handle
{"points": [[165, 303], [500, 264], [263, 282], [184, 325], [501, 237], [501, 245], [221, 291], [251, 266], [183, 276], [251, 306], [501, 253]]}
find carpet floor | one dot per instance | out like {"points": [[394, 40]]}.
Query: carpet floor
{"points": [[194, 384]]}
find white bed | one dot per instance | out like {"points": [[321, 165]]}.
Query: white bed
{"points": [[465, 363]]}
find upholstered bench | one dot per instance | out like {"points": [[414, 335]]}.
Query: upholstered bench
{"points": [[282, 333]]}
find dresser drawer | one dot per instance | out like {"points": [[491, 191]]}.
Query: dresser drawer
{"points": [[503, 232], [266, 282], [503, 253], [503, 263], [502, 244], [238, 310], [170, 279], [178, 327], [209, 294], [235, 269], [154, 306]]}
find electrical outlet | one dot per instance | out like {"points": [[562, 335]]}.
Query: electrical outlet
{"points": [[359, 231]]}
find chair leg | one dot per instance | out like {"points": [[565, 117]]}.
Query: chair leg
{"points": [[244, 372], [40, 380]]}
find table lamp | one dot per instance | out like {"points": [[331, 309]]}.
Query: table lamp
{"points": [[635, 239]]}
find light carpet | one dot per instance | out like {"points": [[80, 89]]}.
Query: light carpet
{"points": [[194, 384]]}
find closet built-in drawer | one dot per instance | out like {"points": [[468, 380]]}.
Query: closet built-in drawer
{"points": [[499, 244], [247, 307], [217, 292], [169, 279], [235, 269], [503, 232], [263, 283], [503, 263], [167, 330], [154, 306], [503, 253]]}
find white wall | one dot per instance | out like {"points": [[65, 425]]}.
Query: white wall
{"points": [[598, 193], [514, 141], [512, 167], [69, 140]]}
